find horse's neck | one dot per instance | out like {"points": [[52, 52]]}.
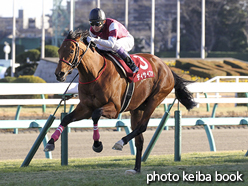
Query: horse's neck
{"points": [[90, 66]]}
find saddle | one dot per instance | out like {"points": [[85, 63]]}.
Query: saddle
{"points": [[145, 71]]}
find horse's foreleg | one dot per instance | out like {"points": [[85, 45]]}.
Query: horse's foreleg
{"points": [[108, 111], [97, 146], [73, 116], [55, 136], [65, 121]]}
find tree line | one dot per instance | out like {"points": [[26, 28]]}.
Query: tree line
{"points": [[226, 25]]}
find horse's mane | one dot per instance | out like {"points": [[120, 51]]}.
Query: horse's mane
{"points": [[74, 34]]}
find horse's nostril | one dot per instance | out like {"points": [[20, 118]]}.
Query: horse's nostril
{"points": [[60, 74]]}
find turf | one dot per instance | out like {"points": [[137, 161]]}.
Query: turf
{"points": [[111, 170]]}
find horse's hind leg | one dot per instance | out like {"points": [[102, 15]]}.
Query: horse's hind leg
{"points": [[141, 125], [139, 140]]}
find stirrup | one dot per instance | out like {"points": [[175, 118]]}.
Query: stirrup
{"points": [[136, 69], [130, 63]]}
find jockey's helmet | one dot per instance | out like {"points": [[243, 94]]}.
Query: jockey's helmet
{"points": [[96, 17]]}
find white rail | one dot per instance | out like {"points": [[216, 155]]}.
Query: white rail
{"points": [[59, 88], [218, 79]]}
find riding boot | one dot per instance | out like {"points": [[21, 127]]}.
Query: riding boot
{"points": [[127, 59]]}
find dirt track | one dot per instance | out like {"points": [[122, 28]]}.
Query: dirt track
{"points": [[17, 146], [194, 139]]}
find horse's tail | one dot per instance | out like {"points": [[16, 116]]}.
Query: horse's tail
{"points": [[182, 93]]}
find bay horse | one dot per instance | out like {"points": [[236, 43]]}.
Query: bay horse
{"points": [[102, 87]]}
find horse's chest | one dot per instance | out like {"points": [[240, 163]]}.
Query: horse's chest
{"points": [[91, 100]]}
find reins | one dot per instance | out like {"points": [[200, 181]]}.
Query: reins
{"points": [[75, 62], [72, 67]]}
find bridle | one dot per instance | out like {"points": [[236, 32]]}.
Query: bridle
{"points": [[75, 62]]}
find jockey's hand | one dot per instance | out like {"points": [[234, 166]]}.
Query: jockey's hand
{"points": [[90, 39]]}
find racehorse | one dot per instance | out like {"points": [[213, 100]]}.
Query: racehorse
{"points": [[102, 87]]}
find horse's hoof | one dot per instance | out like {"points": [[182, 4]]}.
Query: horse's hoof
{"points": [[97, 147], [130, 172], [49, 147], [117, 146]]}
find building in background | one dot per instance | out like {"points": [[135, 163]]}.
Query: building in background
{"points": [[57, 25], [28, 31], [139, 19]]}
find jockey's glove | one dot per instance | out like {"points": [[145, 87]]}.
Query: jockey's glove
{"points": [[91, 39], [107, 43]]}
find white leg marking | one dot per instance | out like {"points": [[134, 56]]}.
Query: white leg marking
{"points": [[118, 145]]}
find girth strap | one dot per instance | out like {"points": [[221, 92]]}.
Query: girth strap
{"points": [[128, 96], [130, 86]]}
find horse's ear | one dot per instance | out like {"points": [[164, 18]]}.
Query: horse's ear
{"points": [[78, 36], [69, 35]]}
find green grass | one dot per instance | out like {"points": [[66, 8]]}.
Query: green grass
{"points": [[111, 170]]}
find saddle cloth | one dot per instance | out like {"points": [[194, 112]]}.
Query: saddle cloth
{"points": [[145, 68]]}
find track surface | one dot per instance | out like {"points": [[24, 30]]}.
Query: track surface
{"points": [[17, 146]]}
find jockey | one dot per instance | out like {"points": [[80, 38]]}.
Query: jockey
{"points": [[110, 35]]}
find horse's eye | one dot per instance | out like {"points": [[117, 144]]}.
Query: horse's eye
{"points": [[72, 51]]}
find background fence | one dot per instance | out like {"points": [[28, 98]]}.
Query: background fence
{"points": [[201, 91]]}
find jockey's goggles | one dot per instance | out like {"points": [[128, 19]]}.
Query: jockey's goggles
{"points": [[96, 23]]}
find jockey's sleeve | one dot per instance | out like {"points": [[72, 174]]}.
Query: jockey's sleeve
{"points": [[112, 33], [110, 43]]}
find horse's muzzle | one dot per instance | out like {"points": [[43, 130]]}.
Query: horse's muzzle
{"points": [[60, 76]]}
